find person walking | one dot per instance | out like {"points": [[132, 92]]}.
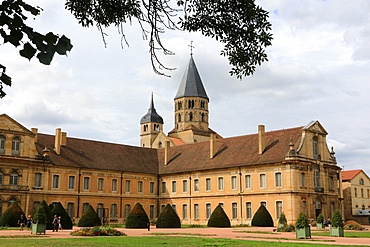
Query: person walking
{"points": [[21, 222], [29, 222], [60, 223], [55, 223]]}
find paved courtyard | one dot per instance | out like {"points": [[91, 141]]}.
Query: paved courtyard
{"points": [[247, 233]]}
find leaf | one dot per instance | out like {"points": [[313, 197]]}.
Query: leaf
{"points": [[45, 57], [51, 38], [64, 45], [28, 51], [5, 79]]}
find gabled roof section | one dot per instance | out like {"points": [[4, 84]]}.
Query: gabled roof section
{"points": [[191, 84], [176, 141], [12, 124], [229, 152], [89, 154], [315, 126], [349, 174], [151, 115]]}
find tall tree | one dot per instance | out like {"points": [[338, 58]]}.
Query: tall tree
{"points": [[241, 25]]}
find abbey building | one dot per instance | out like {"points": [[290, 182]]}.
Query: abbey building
{"points": [[193, 168]]}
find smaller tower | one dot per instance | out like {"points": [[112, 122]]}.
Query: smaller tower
{"points": [[151, 125]]}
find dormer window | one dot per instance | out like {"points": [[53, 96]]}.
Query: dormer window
{"points": [[2, 144], [16, 143], [315, 148]]}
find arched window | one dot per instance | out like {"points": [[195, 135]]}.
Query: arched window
{"points": [[202, 116], [355, 192], [11, 200], [361, 181], [315, 147], [179, 117], [190, 116], [191, 104], [202, 104], [1, 178], [159, 144], [16, 143], [179, 105], [2, 144], [13, 178]]}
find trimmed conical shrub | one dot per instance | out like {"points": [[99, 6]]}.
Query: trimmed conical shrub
{"points": [[11, 216], [168, 218], [90, 218], [336, 219], [218, 218], [59, 210], [49, 215], [262, 217], [39, 216], [137, 218]]}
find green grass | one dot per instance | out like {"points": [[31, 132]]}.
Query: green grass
{"points": [[168, 241], [348, 234]]}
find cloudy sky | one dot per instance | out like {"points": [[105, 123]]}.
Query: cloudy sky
{"points": [[318, 69]]}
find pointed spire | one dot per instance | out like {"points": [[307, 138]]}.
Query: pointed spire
{"points": [[151, 115], [191, 83]]}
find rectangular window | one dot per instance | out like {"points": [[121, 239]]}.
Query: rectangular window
{"points": [[208, 184], [164, 189], [128, 186], [1, 178], [151, 187], [331, 183], [196, 185], [262, 180], [208, 210], [196, 211], [316, 178], [114, 185], [279, 209], [55, 181], [278, 179], [303, 206], [86, 183], [248, 181], [174, 207], [233, 183], [184, 186], [249, 210], [140, 186], [220, 183], [303, 180], [85, 205], [38, 179], [127, 210], [100, 184], [234, 207], [184, 211], [71, 182], [151, 212], [2, 144], [100, 210], [113, 212], [71, 209], [174, 187]]}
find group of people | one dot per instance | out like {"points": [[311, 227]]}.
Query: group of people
{"points": [[22, 222]]}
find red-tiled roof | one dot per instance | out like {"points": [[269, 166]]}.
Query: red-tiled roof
{"points": [[349, 174], [100, 155], [177, 141], [229, 152]]}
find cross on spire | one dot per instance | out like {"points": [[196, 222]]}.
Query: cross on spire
{"points": [[191, 48]]}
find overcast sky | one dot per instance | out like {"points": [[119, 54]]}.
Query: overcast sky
{"points": [[318, 69]]}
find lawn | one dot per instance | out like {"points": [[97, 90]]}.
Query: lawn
{"points": [[168, 241], [348, 234]]}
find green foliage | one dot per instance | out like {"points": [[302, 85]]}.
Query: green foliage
{"points": [[98, 231], [218, 218], [262, 217], [320, 218], [286, 228], [59, 210], [89, 218], [168, 218], [15, 31], [49, 215], [11, 216], [336, 219], [40, 216], [302, 221], [282, 219], [137, 218]]}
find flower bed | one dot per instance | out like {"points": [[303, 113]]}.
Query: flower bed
{"points": [[98, 231]]}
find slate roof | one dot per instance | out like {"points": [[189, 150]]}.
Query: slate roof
{"points": [[230, 152], [90, 154], [191, 83], [151, 115], [349, 174]]}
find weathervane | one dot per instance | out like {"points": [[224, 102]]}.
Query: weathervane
{"points": [[191, 48]]}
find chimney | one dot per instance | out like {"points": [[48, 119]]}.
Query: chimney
{"points": [[212, 146], [261, 139], [58, 137], [34, 131], [64, 139], [166, 152]]}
